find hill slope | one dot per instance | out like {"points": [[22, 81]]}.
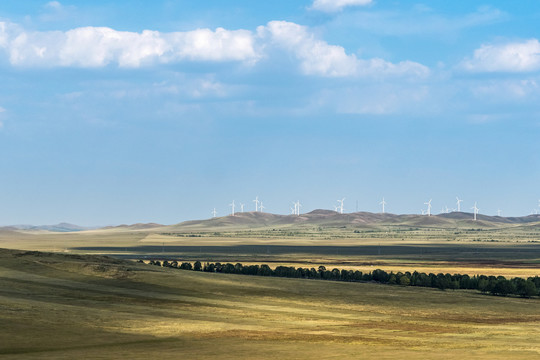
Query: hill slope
{"points": [[66, 307], [358, 219]]}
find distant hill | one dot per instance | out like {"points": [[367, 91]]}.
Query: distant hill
{"points": [[322, 218], [496, 219], [8, 228], [358, 219], [62, 227], [138, 226]]}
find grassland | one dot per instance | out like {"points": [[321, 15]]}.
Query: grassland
{"points": [[495, 247], [78, 306]]}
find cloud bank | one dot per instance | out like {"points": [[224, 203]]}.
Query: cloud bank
{"points": [[101, 46], [95, 47], [511, 57]]}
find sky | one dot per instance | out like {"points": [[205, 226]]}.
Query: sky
{"points": [[132, 111]]}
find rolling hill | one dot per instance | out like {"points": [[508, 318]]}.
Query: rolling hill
{"points": [[328, 218]]}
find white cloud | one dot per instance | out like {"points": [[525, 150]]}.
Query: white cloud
{"points": [[510, 57], [94, 47], [101, 46], [317, 57], [54, 5], [337, 5]]}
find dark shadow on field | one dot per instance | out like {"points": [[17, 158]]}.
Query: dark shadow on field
{"points": [[437, 252]]}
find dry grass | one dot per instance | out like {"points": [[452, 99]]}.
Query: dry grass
{"points": [[515, 252], [63, 307]]}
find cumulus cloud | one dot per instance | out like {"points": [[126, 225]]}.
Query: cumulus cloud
{"points": [[94, 47], [101, 46], [337, 5], [511, 57], [317, 57]]}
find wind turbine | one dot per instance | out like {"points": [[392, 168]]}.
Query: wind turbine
{"points": [[336, 208], [475, 210], [341, 205], [261, 207], [241, 207], [428, 207], [214, 212], [382, 203], [256, 201], [499, 212], [232, 206], [297, 206], [459, 201]]}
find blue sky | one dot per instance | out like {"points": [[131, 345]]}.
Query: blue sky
{"points": [[135, 111]]}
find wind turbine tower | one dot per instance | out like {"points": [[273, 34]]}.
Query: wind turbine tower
{"points": [[428, 207], [261, 207], [341, 205], [475, 209], [241, 207], [459, 201], [214, 212], [499, 212], [232, 207], [382, 203], [297, 206], [256, 201]]}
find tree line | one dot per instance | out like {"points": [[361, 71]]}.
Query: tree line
{"points": [[495, 285]]}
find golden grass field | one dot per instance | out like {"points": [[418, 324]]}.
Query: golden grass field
{"points": [[511, 252], [57, 306], [73, 302]]}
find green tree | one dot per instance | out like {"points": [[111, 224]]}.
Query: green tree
{"points": [[526, 288], [404, 280]]}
